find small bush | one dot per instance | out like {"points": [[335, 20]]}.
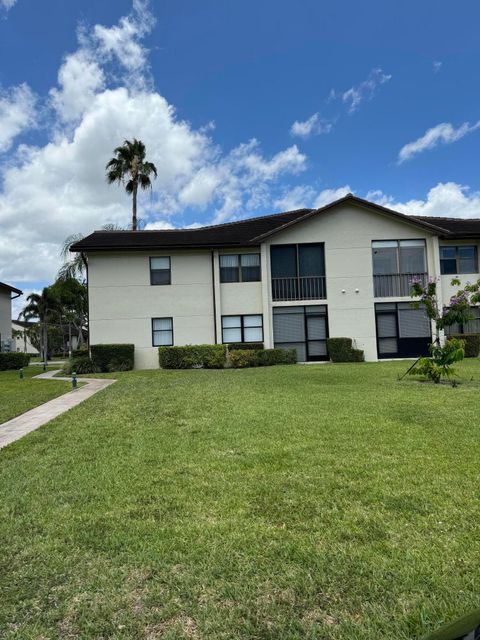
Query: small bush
{"points": [[106, 355], [13, 360], [80, 364], [472, 343], [77, 353], [235, 346], [271, 357], [341, 350], [208, 356], [243, 358]]}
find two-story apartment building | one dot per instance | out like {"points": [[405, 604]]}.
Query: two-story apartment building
{"points": [[288, 280], [7, 294]]}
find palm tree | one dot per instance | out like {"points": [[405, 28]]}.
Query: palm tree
{"points": [[131, 169], [45, 307], [75, 267]]}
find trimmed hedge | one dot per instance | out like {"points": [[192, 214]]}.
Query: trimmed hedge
{"points": [[208, 356], [235, 346], [113, 357], [242, 358], [271, 357], [472, 343], [13, 360], [341, 350]]}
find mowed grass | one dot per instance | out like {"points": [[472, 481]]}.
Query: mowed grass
{"points": [[18, 396], [312, 502]]}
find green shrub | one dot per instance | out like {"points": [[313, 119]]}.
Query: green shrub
{"points": [[341, 350], [234, 346], [243, 358], [106, 355], [208, 356], [472, 343], [13, 360], [80, 364], [271, 357], [77, 353]]}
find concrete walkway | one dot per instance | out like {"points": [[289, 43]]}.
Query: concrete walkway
{"points": [[30, 420]]}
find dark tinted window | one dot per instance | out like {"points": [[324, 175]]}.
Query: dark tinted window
{"points": [[284, 261]]}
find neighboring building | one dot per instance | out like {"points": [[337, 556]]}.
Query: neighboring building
{"points": [[287, 280], [21, 338], [7, 294]]}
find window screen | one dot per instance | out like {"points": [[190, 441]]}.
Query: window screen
{"points": [[162, 332], [160, 272], [412, 256], [413, 323]]}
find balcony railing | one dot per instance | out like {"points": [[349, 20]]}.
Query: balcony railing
{"points": [[396, 284], [299, 288]]}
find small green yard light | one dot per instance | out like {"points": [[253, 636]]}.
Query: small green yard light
{"points": [[20, 374], [74, 379]]}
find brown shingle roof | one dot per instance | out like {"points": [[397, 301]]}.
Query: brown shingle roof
{"points": [[252, 231]]}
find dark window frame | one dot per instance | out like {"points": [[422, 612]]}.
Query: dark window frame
{"points": [[296, 245], [398, 241], [302, 309], [162, 331], [242, 327], [457, 258], [152, 271], [239, 267], [378, 310]]}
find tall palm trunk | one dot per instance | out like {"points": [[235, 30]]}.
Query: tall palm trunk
{"points": [[134, 206]]}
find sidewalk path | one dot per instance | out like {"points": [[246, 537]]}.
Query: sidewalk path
{"points": [[30, 420]]}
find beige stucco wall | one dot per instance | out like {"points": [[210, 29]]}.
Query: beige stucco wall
{"points": [[348, 232], [122, 302], [5, 315], [22, 344]]}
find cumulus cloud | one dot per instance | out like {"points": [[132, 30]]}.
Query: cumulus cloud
{"points": [[305, 196], [7, 4], [354, 96], [17, 113], [443, 133], [437, 65], [448, 199], [311, 126], [49, 192]]}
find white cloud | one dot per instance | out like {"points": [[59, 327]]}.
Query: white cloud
{"points": [[17, 111], [443, 133], [365, 90], [158, 225], [123, 41], [445, 199], [330, 195], [49, 192], [437, 65], [7, 4], [313, 125]]}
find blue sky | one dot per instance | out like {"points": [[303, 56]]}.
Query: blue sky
{"points": [[384, 96]]}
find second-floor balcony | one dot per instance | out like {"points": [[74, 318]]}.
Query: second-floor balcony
{"points": [[299, 288], [396, 285]]}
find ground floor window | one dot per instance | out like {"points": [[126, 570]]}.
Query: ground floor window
{"points": [[472, 326], [242, 329], [162, 332], [302, 328], [402, 331]]}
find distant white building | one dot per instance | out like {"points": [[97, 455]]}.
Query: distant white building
{"points": [[288, 280], [7, 294], [20, 337]]}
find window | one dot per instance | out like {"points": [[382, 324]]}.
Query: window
{"points": [[304, 329], [240, 268], [398, 256], [298, 271], [402, 330], [461, 259], [162, 332], [160, 272], [242, 329], [472, 326]]}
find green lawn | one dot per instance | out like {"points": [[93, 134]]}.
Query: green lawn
{"points": [[304, 502], [18, 396]]}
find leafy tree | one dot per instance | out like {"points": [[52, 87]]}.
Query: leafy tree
{"points": [[73, 298], [443, 357], [74, 265], [46, 308], [130, 168]]}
